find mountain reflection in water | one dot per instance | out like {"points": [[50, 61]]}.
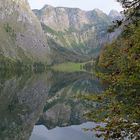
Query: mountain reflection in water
{"points": [[43, 99]]}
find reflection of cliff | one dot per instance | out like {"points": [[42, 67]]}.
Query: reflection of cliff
{"points": [[21, 102], [22, 99], [62, 109]]}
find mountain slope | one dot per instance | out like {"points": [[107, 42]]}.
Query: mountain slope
{"points": [[79, 32], [21, 35]]}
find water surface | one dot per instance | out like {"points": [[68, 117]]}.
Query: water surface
{"points": [[74, 132], [43, 106]]}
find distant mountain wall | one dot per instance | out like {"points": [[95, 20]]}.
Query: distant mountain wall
{"points": [[74, 31]]}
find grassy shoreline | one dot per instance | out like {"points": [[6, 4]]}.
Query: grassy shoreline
{"points": [[71, 67]]}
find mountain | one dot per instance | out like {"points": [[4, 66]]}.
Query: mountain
{"points": [[74, 31], [115, 15], [21, 35], [51, 35]]}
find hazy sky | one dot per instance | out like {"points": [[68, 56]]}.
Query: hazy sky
{"points": [[105, 5]]}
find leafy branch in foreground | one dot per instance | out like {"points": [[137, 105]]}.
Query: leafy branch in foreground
{"points": [[130, 14], [118, 108]]}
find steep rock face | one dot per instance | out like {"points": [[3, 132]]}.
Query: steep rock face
{"points": [[73, 29], [61, 18], [21, 35]]}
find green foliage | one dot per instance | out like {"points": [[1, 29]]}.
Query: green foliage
{"points": [[38, 67], [89, 66], [119, 65], [68, 67], [131, 13], [9, 30], [48, 29], [131, 9], [17, 66], [13, 66]]}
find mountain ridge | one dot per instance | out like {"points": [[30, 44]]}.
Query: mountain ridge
{"points": [[73, 29], [70, 34], [48, 5]]}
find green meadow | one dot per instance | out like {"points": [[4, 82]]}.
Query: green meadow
{"points": [[68, 67]]}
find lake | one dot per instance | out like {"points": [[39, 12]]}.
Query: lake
{"points": [[45, 106]]}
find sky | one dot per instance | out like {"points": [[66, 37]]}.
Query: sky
{"points": [[104, 5]]}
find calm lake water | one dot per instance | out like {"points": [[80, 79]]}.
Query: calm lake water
{"points": [[44, 106]]}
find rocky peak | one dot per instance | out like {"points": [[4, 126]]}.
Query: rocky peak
{"points": [[98, 11], [114, 14], [46, 6], [63, 18]]}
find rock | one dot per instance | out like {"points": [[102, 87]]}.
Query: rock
{"points": [[21, 34]]}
